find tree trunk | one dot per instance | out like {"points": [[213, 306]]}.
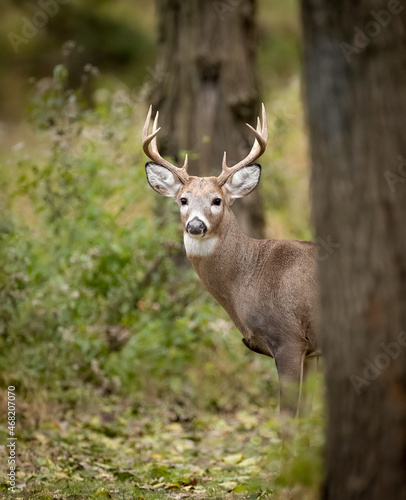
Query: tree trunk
{"points": [[206, 88], [355, 76]]}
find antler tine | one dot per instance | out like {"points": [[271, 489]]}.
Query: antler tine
{"points": [[147, 139], [150, 148], [258, 148], [146, 127], [155, 130], [224, 165]]}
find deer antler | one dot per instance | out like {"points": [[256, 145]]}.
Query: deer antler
{"points": [[258, 148], [150, 148]]}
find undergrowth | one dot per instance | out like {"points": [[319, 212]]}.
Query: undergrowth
{"points": [[102, 319]]}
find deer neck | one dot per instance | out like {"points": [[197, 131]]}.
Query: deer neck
{"points": [[219, 261]]}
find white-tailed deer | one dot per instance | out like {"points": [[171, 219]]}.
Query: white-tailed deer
{"points": [[268, 287]]}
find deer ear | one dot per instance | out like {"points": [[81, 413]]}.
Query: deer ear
{"points": [[243, 181], [162, 180]]}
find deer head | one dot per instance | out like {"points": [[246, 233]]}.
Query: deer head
{"points": [[203, 200]]}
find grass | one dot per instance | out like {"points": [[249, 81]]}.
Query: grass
{"points": [[116, 449]]}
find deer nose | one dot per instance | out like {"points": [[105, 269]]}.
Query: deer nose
{"points": [[196, 226]]}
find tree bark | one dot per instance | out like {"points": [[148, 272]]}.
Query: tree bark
{"points": [[356, 102], [206, 88]]}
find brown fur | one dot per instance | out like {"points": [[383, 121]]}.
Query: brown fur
{"points": [[268, 287]]}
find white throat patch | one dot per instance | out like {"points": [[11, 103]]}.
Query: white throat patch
{"points": [[199, 247]]}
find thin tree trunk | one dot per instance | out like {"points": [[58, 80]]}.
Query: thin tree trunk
{"points": [[356, 101], [208, 87]]}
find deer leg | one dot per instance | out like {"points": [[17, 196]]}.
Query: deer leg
{"points": [[290, 366], [310, 367]]}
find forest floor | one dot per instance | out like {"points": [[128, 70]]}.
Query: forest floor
{"points": [[120, 451]]}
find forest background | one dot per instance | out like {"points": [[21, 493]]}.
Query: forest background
{"points": [[130, 381]]}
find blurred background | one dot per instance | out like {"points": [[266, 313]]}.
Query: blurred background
{"points": [[97, 301]]}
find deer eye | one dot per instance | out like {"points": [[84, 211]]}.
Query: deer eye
{"points": [[183, 201], [217, 201]]}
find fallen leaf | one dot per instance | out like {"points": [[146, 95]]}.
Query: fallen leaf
{"points": [[233, 459], [248, 462], [169, 486], [41, 438], [157, 486], [228, 485], [61, 475]]}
